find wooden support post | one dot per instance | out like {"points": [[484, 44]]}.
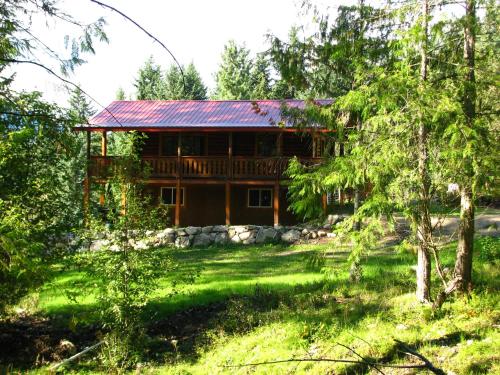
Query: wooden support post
{"points": [[124, 200], [324, 203], [229, 177], [104, 143], [177, 220], [230, 156], [279, 144], [104, 153], [178, 203], [228, 203], [276, 203], [86, 183]]}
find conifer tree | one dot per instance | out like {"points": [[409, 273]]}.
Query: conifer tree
{"points": [[149, 83], [234, 77]]}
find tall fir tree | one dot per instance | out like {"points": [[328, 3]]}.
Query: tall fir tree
{"points": [[189, 87], [149, 83], [234, 77]]}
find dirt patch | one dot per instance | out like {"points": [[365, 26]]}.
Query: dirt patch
{"points": [[32, 341]]}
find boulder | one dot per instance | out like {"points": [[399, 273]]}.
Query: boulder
{"points": [[235, 239], [182, 242], [192, 230], [219, 228], [266, 234], [206, 229], [321, 233], [221, 238], [249, 241], [181, 232], [334, 219], [202, 239], [140, 245], [245, 235], [291, 236]]}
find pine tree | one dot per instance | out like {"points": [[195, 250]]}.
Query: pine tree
{"points": [[234, 78], [260, 79], [149, 83], [120, 94], [191, 87]]}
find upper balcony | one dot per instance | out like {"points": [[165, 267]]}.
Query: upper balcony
{"points": [[205, 167]]}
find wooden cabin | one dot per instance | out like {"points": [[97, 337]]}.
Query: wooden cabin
{"points": [[213, 162]]}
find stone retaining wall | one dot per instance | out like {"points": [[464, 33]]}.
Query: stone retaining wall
{"points": [[221, 235]]}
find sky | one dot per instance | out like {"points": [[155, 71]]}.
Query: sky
{"points": [[194, 30]]}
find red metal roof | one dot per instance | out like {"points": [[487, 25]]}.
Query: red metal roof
{"points": [[193, 113]]}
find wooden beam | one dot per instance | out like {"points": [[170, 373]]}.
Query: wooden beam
{"points": [[194, 129], [228, 203], [104, 143], [324, 203], [276, 203], [230, 155], [104, 152], [178, 182], [86, 183], [178, 203]]}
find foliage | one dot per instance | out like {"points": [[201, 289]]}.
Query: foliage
{"points": [[38, 151], [149, 83], [37, 199], [125, 272], [190, 87], [153, 84], [234, 77]]}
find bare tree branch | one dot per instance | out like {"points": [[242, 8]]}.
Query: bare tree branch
{"points": [[147, 33], [49, 70]]}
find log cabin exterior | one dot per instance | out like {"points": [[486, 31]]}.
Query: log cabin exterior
{"points": [[213, 162]]}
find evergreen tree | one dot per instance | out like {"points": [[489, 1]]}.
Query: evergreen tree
{"points": [[120, 94], [234, 78], [260, 79], [149, 83], [191, 87]]}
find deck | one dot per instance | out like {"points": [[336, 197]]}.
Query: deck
{"points": [[205, 167]]}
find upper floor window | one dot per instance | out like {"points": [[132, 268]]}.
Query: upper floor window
{"points": [[266, 144], [169, 145], [193, 145]]}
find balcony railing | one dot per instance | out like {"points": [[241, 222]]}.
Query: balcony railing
{"points": [[204, 167]]}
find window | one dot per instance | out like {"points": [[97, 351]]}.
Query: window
{"points": [[266, 145], [169, 145], [169, 196], [193, 145], [260, 197]]}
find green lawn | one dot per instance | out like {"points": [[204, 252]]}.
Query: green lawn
{"points": [[273, 306]]}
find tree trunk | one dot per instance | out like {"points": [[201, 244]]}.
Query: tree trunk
{"points": [[463, 264], [357, 190], [424, 228]]}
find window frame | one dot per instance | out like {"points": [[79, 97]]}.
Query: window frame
{"points": [[173, 188], [260, 197]]}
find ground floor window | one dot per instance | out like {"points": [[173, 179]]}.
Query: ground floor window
{"points": [[169, 196], [260, 197]]}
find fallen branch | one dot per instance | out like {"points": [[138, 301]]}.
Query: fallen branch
{"points": [[326, 360], [76, 356], [428, 363]]}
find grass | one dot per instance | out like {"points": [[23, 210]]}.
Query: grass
{"points": [[273, 306]]}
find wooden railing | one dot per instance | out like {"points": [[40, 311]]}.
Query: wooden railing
{"points": [[241, 167]]}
